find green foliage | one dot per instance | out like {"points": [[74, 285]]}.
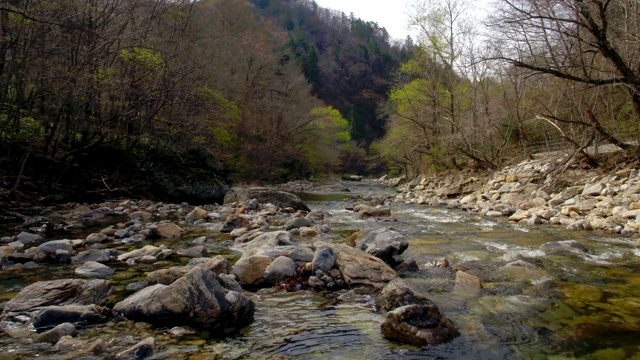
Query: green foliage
{"points": [[147, 58]]}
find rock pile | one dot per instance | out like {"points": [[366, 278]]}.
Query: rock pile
{"points": [[523, 192]]}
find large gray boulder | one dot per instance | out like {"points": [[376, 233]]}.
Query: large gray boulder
{"points": [[419, 325], [57, 292], [383, 243], [196, 300], [97, 255], [359, 268], [264, 195]]}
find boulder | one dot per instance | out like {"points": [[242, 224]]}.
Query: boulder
{"points": [[148, 250], [279, 269], [52, 336], [250, 270], [384, 244], [142, 350], [97, 255], [93, 269], [397, 293], [359, 268], [196, 299], [28, 239], [365, 212], [95, 238], [168, 230], [263, 195], [561, 248], [197, 214], [82, 315], [192, 252], [296, 223], [234, 222], [467, 280], [419, 325], [266, 242], [324, 259], [167, 276], [50, 247], [57, 292]]}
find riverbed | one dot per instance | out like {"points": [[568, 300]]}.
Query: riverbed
{"points": [[583, 305]]}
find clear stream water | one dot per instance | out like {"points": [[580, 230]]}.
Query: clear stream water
{"points": [[566, 307]]}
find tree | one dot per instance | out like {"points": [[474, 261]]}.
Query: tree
{"points": [[595, 43]]}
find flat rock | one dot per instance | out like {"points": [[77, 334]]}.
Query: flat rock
{"points": [[58, 292], [93, 269]]}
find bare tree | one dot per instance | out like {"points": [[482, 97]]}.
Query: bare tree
{"points": [[595, 43]]}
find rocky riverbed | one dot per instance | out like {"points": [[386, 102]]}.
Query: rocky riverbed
{"points": [[365, 273], [161, 278], [536, 192]]}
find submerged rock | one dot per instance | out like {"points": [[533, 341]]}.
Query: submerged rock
{"points": [[561, 248], [52, 336], [197, 300], [419, 325], [78, 314]]}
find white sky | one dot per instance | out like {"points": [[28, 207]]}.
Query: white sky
{"points": [[388, 14]]}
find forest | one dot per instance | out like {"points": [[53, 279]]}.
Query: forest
{"points": [[179, 99]]}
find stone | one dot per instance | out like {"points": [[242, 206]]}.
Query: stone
{"points": [[324, 259], [593, 189], [520, 215], [142, 350], [53, 336], [308, 232], [467, 280], [218, 264], [384, 244], [97, 255], [264, 195], [396, 294], [196, 299], [197, 214], [366, 212], [279, 269], [167, 276], [82, 315], [534, 220], [28, 239], [50, 247], [469, 199], [296, 223], [250, 270], [273, 240], [419, 325], [93, 269], [95, 238], [147, 250], [193, 252], [168, 230], [58, 292], [359, 268], [235, 221], [565, 247]]}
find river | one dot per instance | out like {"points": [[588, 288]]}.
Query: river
{"points": [[584, 306]]}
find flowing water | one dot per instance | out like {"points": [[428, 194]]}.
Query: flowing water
{"points": [[584, 306]]}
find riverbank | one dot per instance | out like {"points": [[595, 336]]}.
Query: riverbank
{"points": [[551, 189]]}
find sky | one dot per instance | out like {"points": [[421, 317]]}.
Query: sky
{"points": [[388, 14]]}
